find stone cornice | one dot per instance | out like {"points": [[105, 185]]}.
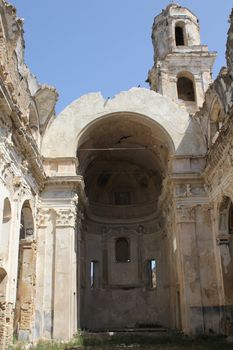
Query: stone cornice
{"points": [[186, 176], [74, 182], [22, 137]]}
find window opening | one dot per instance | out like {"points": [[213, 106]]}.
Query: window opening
{"points": [[94, 273], [122, 198], [185, 89], [152, 273], [5, 228], [122, 250], [26, 222], [179, 33], [103, 179]]}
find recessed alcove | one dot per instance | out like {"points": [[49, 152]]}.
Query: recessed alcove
{"points": [[123, 159]]}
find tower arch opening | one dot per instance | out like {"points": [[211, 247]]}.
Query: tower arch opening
{"points": [[180, 34], [123, 158], [185, 87]]}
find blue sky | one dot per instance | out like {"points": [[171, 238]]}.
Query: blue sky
{"points": [[82, 46]]}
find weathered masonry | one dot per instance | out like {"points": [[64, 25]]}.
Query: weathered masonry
{"points": [[120, 204]]}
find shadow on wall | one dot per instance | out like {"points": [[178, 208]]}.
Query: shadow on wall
{"points": [[193, 142]]}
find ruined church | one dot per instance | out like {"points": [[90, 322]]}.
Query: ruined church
{"points": [[118, 213]]}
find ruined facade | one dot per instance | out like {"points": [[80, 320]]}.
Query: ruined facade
{"points": [[117, 213]]}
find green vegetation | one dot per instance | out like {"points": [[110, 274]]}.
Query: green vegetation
{"points": [[150, 342]]}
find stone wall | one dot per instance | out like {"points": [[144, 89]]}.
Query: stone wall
{"points": [[229, 51], [6, 324]]}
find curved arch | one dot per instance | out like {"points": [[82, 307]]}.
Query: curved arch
{"points": [[123, 132], [136, 116], [186, 74], [60, 139]]}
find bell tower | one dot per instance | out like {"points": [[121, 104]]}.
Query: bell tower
{"points": [[182, 66]]}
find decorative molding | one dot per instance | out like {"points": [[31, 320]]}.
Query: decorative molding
{"points": [[220, 155], [44, 216], [66, 217], [191, 190], [223, 239], [185, 214]]}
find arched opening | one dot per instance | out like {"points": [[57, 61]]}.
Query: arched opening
{"points": [[225, 241], [27, 224], [6, 229], [23, 316], [123, 158], [179, 35], [185, 89]]}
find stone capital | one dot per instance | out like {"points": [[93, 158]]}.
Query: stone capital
{"points": [[66, 217], [185, 214], [44, 216]]}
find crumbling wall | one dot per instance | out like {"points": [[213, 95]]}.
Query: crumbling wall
{"points": [[229, 51], [221, 89], [24, 311], [218, 174], [16, 77], [12, 68], [6, 324]]}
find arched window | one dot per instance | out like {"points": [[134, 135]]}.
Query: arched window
{"points": [[6, 227], [122, 250], [27, 225], [185, 89], [179, 34]]}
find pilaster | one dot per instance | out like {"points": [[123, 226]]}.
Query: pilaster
{"points": [[64, 286], [57, 258], [197, 270]]}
